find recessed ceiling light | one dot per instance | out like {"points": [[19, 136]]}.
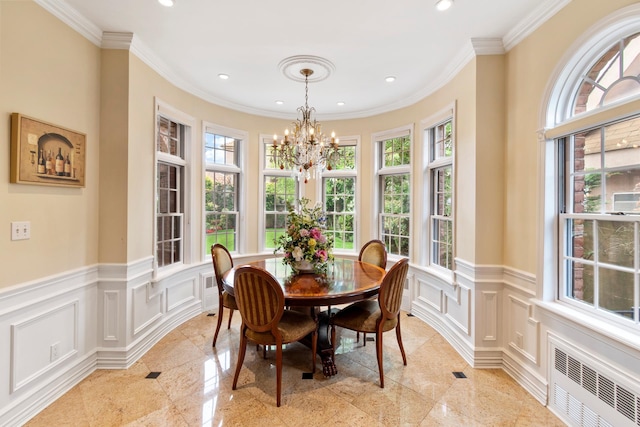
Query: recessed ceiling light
{"points": [[224, 76], [279, 102], [390, 79], [167, 3], [340, 103], [444, 4]]}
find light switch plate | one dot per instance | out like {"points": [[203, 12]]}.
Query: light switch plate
{"points": [[20, 230]]}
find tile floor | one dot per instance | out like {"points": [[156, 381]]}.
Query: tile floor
{"points": [[194, 387]]}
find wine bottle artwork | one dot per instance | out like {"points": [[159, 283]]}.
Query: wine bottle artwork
{"points": [[67, 166], [41, 162], [46, 154]]}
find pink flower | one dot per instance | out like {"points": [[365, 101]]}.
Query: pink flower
{"points": [[321, 238], [322, 254], [304, 232], [315, 233]]}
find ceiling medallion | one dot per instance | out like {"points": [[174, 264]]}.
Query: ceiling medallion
{"points": [[292, 68]]}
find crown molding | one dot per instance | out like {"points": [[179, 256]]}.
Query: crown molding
{"points": [[113, 40], [532, 21], [487, 46], [73, 19]]}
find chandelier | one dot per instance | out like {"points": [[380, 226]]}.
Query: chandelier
{"points": [[305, 150]]}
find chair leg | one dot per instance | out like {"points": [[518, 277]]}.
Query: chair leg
{"points": [[230, 317], [220, 313], [278, 372], [241, 351], [364, 339], [357, 336], [399, 336], [379, 355]]}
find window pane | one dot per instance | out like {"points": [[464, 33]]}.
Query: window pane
{"points": [[581, 243], [397, 151], [616, 291], [581, 282], [442, 143], [220, 149], [443, 199], [169, 138], [278, 192], [442, 243], [615, 243], [340, 210], [613, 77], [346, 159]]}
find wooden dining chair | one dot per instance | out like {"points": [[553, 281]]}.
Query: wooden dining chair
{"points": [[260, 300], [373, 252], [377, 316], [222, 262]]}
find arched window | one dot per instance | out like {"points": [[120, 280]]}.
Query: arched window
{"points": [[592, 203]]}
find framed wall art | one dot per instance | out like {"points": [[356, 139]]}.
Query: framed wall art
{"points": [[46, 154]]}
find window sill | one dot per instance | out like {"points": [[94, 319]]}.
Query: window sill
{"points": [[626, 336]]}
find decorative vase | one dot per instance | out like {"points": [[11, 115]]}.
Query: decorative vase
{"points": [[303, 266]]}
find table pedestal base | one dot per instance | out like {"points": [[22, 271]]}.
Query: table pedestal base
{"points": [[325, 350]]}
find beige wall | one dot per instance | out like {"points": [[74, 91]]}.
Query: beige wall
{"points": [[49, 72], [114, 158], [529, 69]]}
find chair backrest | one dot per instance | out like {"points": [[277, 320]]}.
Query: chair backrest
{"points": [[222, 262], [390, 296], [374, 252], [259, 297]]}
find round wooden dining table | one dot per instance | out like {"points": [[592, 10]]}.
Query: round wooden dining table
{"points": [[345, 281]]}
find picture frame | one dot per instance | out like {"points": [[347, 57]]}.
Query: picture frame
{"points": [[46, 154]]}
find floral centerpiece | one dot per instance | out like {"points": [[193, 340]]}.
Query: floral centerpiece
{"points": [[306, 247]]}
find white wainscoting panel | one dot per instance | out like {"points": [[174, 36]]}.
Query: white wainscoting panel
{"points": [[147, 306], [490, 315], [181, 293], [111, 315], [430, 294], [523, 331], [457, 308], [41, 343]]}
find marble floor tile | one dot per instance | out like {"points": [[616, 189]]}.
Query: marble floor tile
{"points": [[194, 387]]}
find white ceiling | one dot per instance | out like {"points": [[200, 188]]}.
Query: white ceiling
{"points": [[194, 41]]}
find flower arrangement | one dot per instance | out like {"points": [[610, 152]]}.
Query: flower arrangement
{"points": [[304, 239]]}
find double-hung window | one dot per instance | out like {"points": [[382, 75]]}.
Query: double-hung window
{"points": [[598, 188], [278, 189], [222, 151], [440, 177], [172, 140], [394, 190], [339, 196]]}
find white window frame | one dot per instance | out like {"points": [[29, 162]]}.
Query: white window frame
{"points": [[266, 141], [167, 111], [241, 194], [345, 173], [428, 126], [380, 170]]}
